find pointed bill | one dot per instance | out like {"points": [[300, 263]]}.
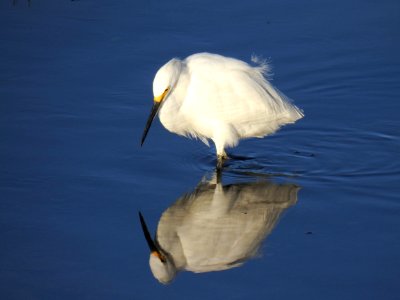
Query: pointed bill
{"points": [[153, 113], [154, 249], [150, 242]]}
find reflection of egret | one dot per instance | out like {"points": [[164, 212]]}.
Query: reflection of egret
{"points": [[216, 227], [209, 96]]}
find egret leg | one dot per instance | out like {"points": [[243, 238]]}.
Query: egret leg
{"points": [[221, 154], [221, 159], [217, 177]]}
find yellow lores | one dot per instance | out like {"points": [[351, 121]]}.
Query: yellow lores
{"points": [[160, 98]]}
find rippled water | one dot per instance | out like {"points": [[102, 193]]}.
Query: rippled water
{"points": [[75, 91]]}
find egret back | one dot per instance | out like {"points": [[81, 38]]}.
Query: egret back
{"points": [[228, 92]]}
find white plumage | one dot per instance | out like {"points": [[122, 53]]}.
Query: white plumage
{"points": [[216, 227], [209, 96]]}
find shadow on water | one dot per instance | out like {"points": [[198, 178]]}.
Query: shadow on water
{"points": [[216, 227]]}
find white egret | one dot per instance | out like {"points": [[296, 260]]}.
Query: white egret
{"points": [[209, 96], [216, 227]]}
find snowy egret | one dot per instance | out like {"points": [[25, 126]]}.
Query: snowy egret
{"points": [[209, 96], [216, 227]]}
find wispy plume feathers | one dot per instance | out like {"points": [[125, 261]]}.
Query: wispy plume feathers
{"points": [[263, 65]]}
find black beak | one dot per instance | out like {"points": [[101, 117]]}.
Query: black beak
{"points": [[153, 113], [150, 242]]}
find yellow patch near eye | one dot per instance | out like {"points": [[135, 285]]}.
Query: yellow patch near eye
{"points": [[158, 98], [161, 97], [159, 255]]}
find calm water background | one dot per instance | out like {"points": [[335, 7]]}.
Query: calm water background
{"points": [[75, 92]]}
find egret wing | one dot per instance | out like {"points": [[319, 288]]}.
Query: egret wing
{"points": [[230, 92]]}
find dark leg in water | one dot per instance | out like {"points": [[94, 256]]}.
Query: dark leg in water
{"points": [[220, 160]]}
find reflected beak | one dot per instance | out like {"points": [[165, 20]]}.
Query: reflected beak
{"points": [[153, 247], [153, 113]]}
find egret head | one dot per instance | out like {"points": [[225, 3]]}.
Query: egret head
{"points": [[161, 264], [163, 270], [166, 79], [163, 85]]}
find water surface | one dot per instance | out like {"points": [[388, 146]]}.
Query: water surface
{"points": [[75, 90]]}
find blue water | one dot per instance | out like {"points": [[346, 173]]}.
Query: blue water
{"points": [[75, 93]]}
